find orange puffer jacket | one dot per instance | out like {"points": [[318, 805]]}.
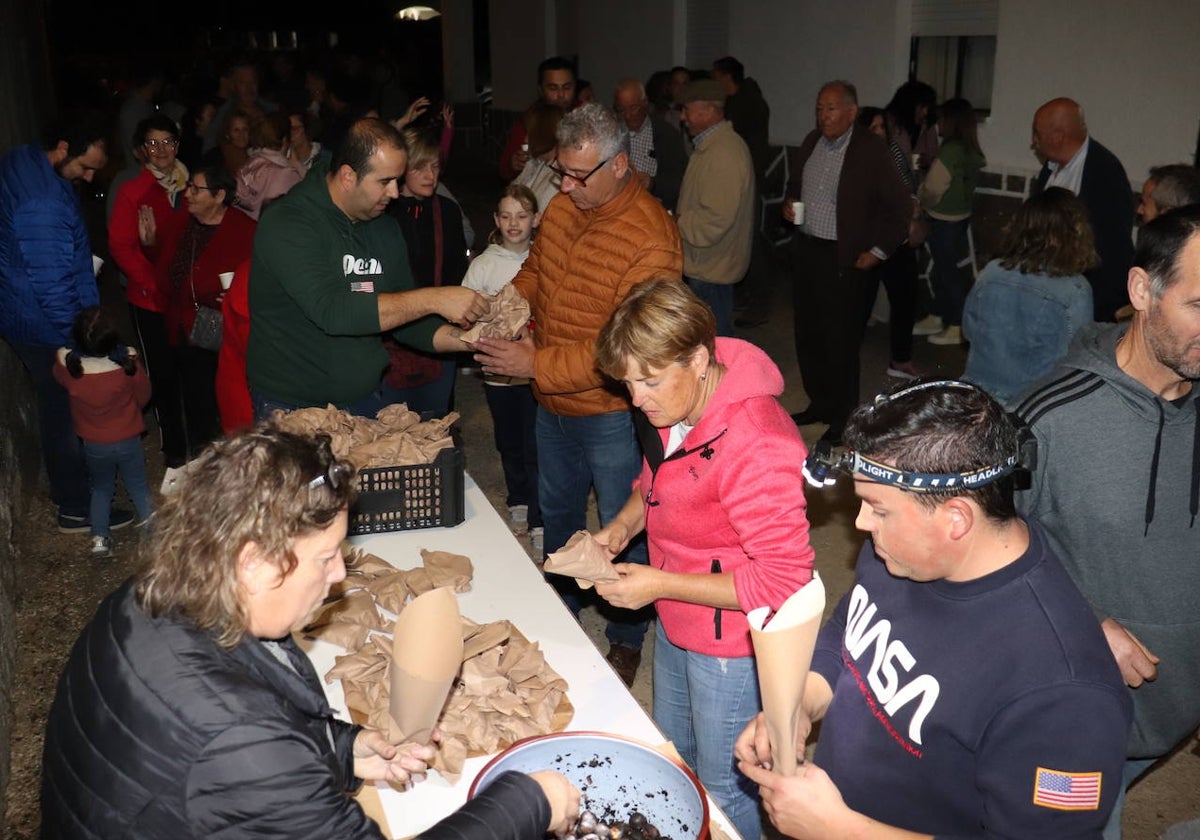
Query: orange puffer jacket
{"points": [[582, 265]]}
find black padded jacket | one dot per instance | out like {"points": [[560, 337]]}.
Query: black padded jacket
{"points": [[158, 732]]}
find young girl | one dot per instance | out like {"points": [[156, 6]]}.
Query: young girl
{"points": [[511, 399], [108, 389]]}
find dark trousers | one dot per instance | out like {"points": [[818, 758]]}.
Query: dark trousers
{"points": [[899, 277], [432, 399], [753, 292], [197, 369], [719, 297], [951, 282], [62, 452], [829, 322], [159, 359], [514, 421]]}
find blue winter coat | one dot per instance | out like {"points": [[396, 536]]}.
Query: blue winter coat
{"points": [[46, 274]]}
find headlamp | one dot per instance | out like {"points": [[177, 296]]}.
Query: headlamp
{"points": [[823, 464]]}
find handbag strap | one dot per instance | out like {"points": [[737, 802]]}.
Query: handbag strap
{"points": [[192, 277], [437, 241]]}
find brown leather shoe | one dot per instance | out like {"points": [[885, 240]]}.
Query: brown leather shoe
{"points": [[625, 661]]}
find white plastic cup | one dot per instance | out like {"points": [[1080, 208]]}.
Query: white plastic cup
{"points": [[226, 279], [97, 264], [916, 161], [798, 213], [525, 148]]}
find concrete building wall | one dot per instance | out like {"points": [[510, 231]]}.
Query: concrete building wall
{"points": [[19, 465], [1132, 66]]}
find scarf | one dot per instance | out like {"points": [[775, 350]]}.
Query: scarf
{"points": [[172, 182]]}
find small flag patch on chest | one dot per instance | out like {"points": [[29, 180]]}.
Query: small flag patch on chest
{"points": [[1067, 791], [362, 286]]}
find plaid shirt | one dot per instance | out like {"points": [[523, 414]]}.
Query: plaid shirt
{"points": [[818, 190], [641, 149]]}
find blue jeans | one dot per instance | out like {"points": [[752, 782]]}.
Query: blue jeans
{"points": [[702, 703], [719, 298], [104, 461], [574, 454], [1134, 768], [948, 245], [514, 420]]}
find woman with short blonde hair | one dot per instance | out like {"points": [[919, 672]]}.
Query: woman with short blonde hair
{"points": [[721, 500]]}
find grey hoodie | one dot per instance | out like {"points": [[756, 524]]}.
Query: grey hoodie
{"points": [[1117, 487]]}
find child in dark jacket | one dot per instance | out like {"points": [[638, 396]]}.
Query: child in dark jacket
{"points": [[108, 390]]}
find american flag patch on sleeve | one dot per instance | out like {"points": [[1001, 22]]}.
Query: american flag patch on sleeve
{"points": [[362, 286], [1066, 791]]}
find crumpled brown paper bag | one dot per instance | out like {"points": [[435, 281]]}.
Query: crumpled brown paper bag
{"points": [[507, 315], [394, 437], [783, 650], [583, 559], [506, 690]]}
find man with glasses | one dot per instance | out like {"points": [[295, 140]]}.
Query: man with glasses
{"points": [[590, 251], [145, 210], [856, 212], [655, 148], [556, 86], [46, 279]]}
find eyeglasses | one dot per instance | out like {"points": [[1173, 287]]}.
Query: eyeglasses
{"points": [[167, 143], [194, 187], [581, 180]]}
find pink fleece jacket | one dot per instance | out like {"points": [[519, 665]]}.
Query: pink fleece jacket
{"points": [[732, 493]]}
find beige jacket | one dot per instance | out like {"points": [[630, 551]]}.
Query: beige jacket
{"points": [[716, 208]]}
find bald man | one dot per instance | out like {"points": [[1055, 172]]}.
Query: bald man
{"points": [[656, 149], [1073, 160]]}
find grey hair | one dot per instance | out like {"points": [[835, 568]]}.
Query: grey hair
{"points": [[849, 91], [593, 123], [1175, 185]]}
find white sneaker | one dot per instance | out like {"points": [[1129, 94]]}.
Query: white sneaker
{"points": [[518, 518], [950, 335], [928, 325], [101, 548], [535, 539], [171, 478]]}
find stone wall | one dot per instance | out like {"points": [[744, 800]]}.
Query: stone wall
{"points": [[19, 465]]}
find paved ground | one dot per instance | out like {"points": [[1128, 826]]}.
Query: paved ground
{"points": [[60, 585]]}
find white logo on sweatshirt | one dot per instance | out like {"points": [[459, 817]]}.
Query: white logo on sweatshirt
{"points": [[353, 265], [884, 679]]}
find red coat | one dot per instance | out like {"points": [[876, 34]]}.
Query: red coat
{"points": [[229, 247], [147, 287], [233, 391]]}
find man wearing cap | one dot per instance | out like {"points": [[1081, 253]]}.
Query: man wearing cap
{"points": [[716, 201], [856, 212], [964, 684]]}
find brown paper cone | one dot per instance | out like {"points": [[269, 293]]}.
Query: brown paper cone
{"points": [[783, 653], [583, 559], [427, 649]]}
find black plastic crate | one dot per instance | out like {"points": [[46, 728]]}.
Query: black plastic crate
{"points": [[415, 496]]}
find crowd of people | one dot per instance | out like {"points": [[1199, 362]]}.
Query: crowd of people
{"points": [[283, 255]]}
